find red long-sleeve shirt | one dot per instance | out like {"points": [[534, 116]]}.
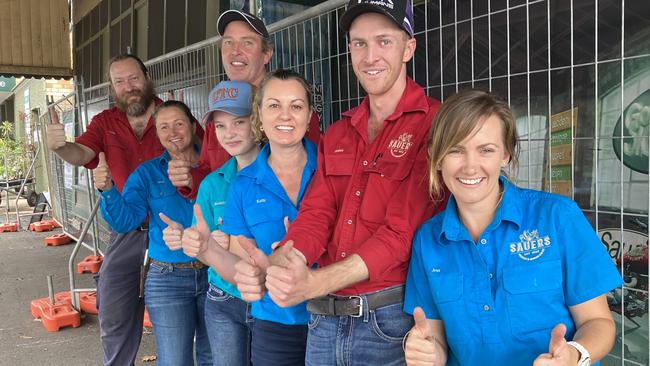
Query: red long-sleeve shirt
{"points": [[369, 198]]}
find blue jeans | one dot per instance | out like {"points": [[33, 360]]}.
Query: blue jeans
{"points": [[276, 344], [372, 339], [228, 322], [175, 299]]}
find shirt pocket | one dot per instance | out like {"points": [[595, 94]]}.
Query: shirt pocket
{"points": [[114, 141], [339, 165], [265, 220], [535, 297], [384, 182], [447, 294], [161, 189]]}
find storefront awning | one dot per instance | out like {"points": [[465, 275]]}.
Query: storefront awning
{"points": [[35, 38]]}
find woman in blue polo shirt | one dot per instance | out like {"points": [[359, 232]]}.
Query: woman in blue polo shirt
{"points": [[176, 284], [505, 275], [226, 314], [260, 198]]}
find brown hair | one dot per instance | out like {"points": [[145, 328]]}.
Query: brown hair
{"points": [[280, 74], [457, 119]]}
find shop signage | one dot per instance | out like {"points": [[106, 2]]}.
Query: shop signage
{"points": [[7, 84], [560, 160], [634, 145]]}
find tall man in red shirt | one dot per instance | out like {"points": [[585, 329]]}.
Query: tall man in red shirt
{"points": [[127, 136], [368, 196], [246, 49]]}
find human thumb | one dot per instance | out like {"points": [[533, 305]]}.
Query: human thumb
{"points": [[54, 117], [171, 223], [557, 339], [422, 326], [201, 225], [102, 159]]}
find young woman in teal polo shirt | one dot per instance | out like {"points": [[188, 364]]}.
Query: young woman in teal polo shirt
{"points": [[505, 275]]}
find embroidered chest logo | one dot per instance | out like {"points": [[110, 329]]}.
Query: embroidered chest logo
{"points": [[400, 146], [530, 246]]}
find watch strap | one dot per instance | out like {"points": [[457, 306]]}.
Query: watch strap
{"points": [[585, 358]]}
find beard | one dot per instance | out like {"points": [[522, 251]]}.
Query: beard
{"points": [[138, 106]]}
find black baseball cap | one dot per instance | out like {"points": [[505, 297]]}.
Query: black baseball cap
{"points": [[230, 15], [399, 11]]}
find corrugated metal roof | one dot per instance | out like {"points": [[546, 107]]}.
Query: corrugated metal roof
{"points": [[35, 38]]}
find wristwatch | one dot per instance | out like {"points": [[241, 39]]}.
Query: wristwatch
{"points": [[585, 359]]}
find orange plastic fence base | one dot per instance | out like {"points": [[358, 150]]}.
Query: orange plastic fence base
{"points": [[88, 302], [147, 321], [54, 223], [41, 226], [57, 239], [38, 304], [90, 264], [59, 315], [9, 227]]}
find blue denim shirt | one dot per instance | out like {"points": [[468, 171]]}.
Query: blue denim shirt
{"points": [[212, 195], [148, 190], [256, 207], [499, 298]]}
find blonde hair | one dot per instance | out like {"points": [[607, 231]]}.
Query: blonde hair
{"points": [[456, 120], [280, 74]]}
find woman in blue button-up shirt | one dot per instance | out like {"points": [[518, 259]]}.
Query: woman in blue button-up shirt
{"points": [[505, 275], [176, 284], [260, 198]]}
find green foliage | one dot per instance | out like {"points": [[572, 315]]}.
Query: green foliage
{"points": [[14, 155]]}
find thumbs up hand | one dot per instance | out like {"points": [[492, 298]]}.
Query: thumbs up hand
{"points": [[559, 352], [173, 233], [102, 174], [178, 169], [420, 348], [251, 272], [195, 239], [55, 132]]}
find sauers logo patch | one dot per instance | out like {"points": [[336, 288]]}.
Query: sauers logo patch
{"points": [[400, 146], [531, 245]]}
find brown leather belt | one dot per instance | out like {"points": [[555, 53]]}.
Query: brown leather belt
{"points": [[354, 305], [189, 265]]}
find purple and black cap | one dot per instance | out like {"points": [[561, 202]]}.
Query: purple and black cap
{"points": [[399, 11]]}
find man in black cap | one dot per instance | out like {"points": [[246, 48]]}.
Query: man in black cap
{"points": [[246, 49], [367, 198]]}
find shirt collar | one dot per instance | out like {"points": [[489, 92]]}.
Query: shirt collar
{"points": [[229, 170], [413, 100], [260, 167], [508, 210], [165, 157]]}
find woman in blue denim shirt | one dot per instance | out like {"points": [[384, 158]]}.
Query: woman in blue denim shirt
{"points": [[505, 275], [261, 198], [176, 284]]}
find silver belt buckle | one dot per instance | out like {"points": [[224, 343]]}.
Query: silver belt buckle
{"points": [[360, 313]]}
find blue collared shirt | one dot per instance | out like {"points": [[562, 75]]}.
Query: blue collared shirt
{"points": [[256, 207], [148, 190], [212, 195], [500, 297]]}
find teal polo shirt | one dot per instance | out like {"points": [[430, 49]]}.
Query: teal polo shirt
{"points": [[212, 195]]}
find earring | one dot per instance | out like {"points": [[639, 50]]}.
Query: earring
{"points": [[261, 128]]}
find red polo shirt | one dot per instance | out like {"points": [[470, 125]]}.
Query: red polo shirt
{"points": [[369, 198], [213, 155], [111, 132]]}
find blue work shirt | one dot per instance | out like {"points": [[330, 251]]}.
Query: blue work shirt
{"points": [[500, 298], [212, 195], [148, 190], [256, 207]]}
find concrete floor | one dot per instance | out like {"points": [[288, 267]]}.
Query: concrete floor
{"points": [[24, 264]]}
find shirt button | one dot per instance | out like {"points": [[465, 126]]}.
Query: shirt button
{"points": [[483, 241], [365, 162], [357, 193], [486, 307], [343, 255], [349, 222], [490, 275]]}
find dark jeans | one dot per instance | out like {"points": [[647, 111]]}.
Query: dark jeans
{"points": [[121, 310], [276, 344], [229, 323]]}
